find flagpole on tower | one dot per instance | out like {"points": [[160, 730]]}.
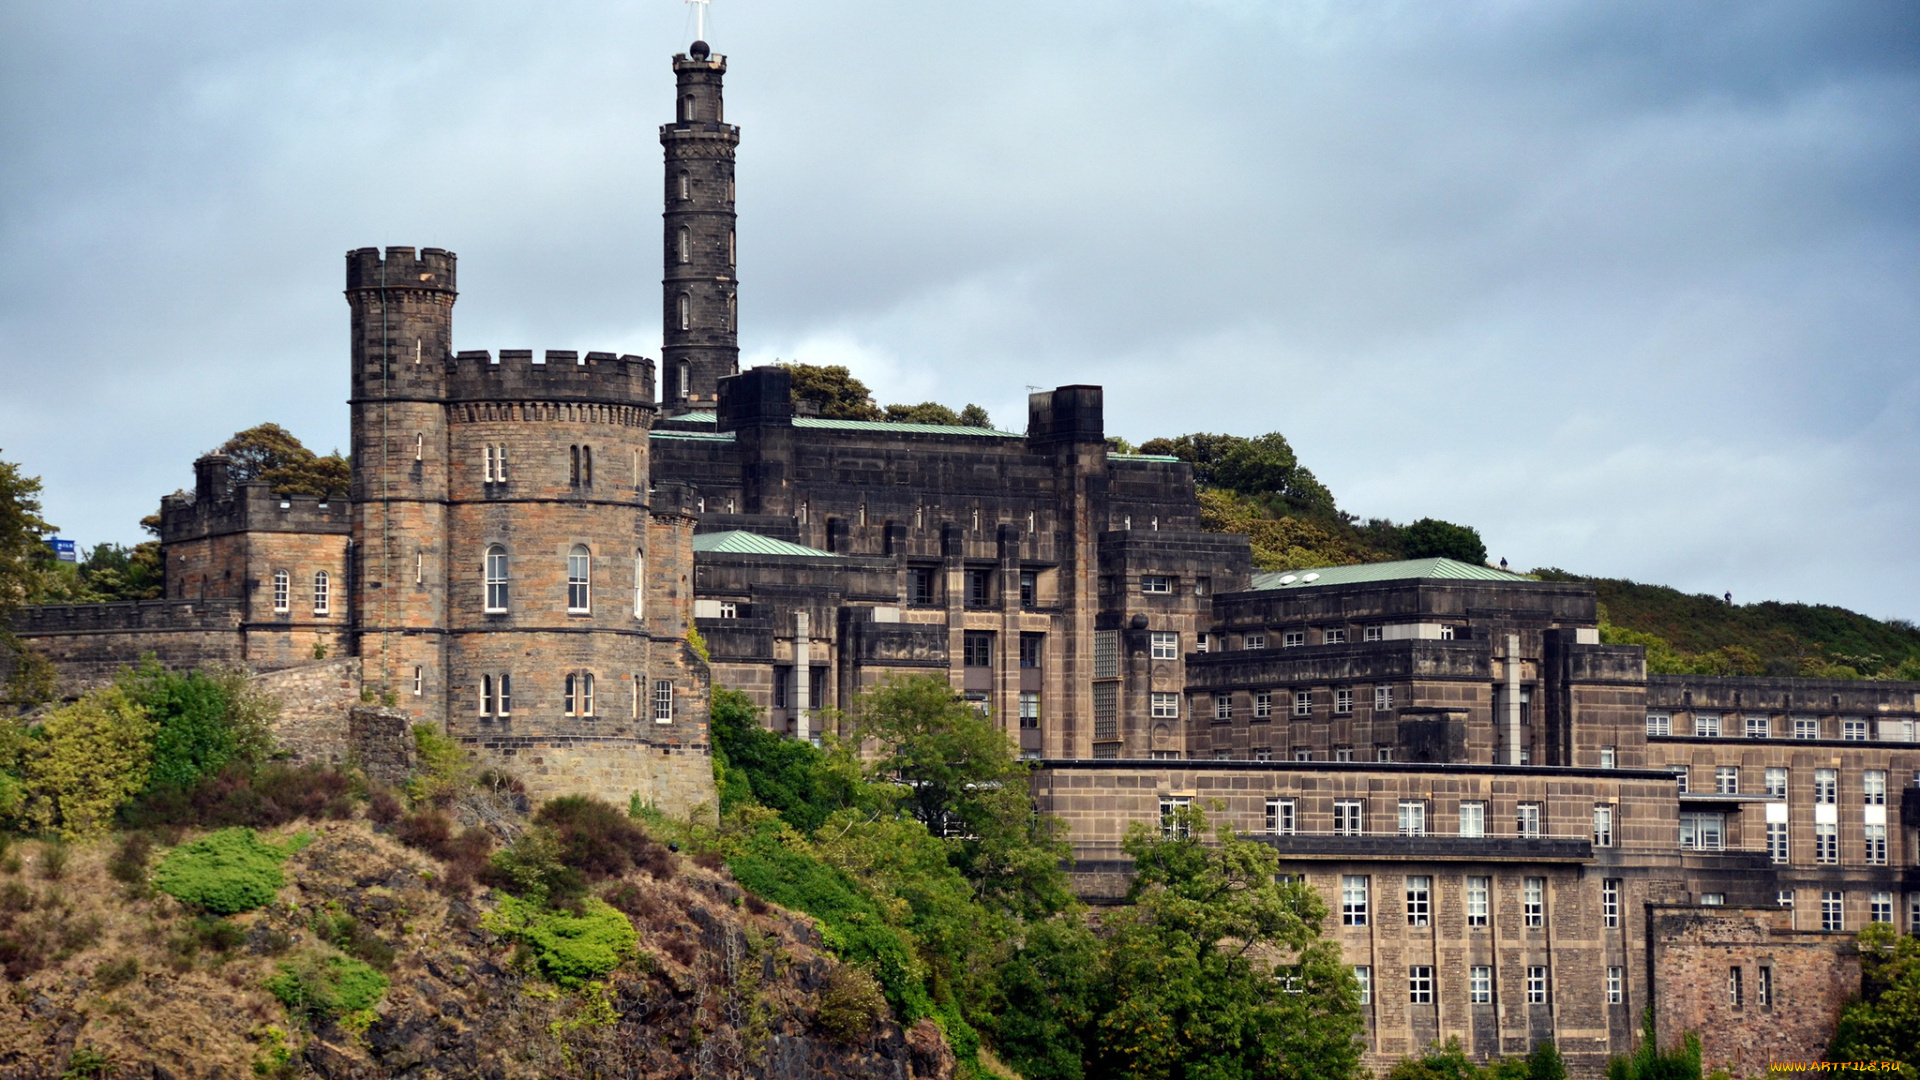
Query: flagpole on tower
{"points": [[699, 19]]}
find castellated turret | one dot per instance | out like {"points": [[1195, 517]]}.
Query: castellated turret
{"points": [[516, 583], [700, 309]]}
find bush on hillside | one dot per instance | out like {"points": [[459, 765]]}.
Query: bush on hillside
{"points": [[851, 1004], [326, 986], [204, 721], [601, 841], [242, 796], [88, 758], [226, 873], [568, 949]]}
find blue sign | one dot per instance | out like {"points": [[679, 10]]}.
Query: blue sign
{"points": [[63, 550]]}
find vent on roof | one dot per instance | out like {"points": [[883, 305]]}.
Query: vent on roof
{"points": [[1311, 577], [1286, 579]]}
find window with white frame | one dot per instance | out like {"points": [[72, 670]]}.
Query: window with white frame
{"points": [[1420, 985], [1537, 984], [1174, 822], [322, 593], [1880, 907], [1263, 704], [1853, 730], [1199, 643], [1616, 980], [1165, 706], [1382, 698], [639, 584], [496, 578], [1333, 636], [1777, 841], [1776, 781], [1875, 839], [1533, 901], [577, 694], [1610, 902], [1254, 641], [663, 701], [1473, 819], [1293, 639], [1480, 984], [1446, 633], [1363, 975], [1826, 786], [1479, 900], [1806, 727], [1343, 753], [1372, 633], [579, 574], [1763, 986], [1353, 900], [486, 695], [1303, 703], [282, 588], [1608, 757], [1280, 821], [1260, 753], [1526, 819], [1419, 900], [1413, 817], [1346, 817], [1164, 645], [1602, 826], [1680, 775], [1030, 708], [1826, 842], [1873, 787], [1155, 583], [1759, 727], [1726, 780], [419, 681], [1833, 914], [1706, 725], [1301, 753], [1343, 701], [1703, 831], [1223, 706], [1659, 724]]}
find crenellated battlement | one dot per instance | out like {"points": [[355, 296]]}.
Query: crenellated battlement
{"points": [[45, 619], [554, 375], [219, 507], [431, 269]]}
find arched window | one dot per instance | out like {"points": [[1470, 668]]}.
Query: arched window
{"points": [[579, 567], [686, 107], [282, 583], [486, 695], [733, 310], [496, 576], [506, 694], [686, 186], [578, 693], [686, 312], [685, 374], [639, 585], [586, 694], [321, 599], [566, 694], [686, 244]]}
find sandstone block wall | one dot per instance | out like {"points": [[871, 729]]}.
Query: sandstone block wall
{"points": [[314, 700]]}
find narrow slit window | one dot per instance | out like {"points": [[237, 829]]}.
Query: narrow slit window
{"points": [[496, 578], [579, 576]]}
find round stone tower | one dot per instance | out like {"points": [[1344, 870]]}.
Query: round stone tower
{"points": [[700, 289]]}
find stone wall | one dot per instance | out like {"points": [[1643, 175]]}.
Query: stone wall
{"points": [[314, 700], [382, 741], [1695, 952], [89, 643]]}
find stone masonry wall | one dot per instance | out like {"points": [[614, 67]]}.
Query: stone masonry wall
{"points": [[314, 700], [1694, 953]]}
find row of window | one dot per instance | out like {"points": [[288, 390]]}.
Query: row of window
{"points": [[1833, 908], [1356, 892], [579, 581], [1411, 817], [922, 581], [577, 696], [727, 319], [1826, 783], [1713, 726], [1383, 752], [1421, 986], [322, 592], [686, 179], [1299, 702], [686, 246]]}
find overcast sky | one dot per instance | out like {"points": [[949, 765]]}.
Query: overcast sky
{"points": [[1632, 288]]}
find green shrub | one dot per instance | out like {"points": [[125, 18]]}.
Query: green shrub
{"points": [[600, 841], [326, 986], [88, 758], [114, 974], [226, 873], [569, 949], [531, 868], [442, 772], [851, 1004]]}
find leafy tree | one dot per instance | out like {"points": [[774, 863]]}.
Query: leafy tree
{"points": [[1430, 537], [975, 416], [271, 453], [1262, 466], [833, 391], [23, 532], [1282, 543], [1883, 1023], [755, 766], [927, 412], [203, 721], [88, 758], [1218, 970]]}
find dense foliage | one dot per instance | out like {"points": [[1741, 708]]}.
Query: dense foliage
{"points": [[1450, 1062], [226, 872], [569, 948], [83, 762], [927, 867], [833, 393], [271, 453], [1883, 1023], [326, 986]]}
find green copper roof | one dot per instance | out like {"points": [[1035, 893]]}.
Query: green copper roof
{"points": [[694, 417], [1143, 457], [1402, 570], [704, 436], [741, 542], [894, 426]]}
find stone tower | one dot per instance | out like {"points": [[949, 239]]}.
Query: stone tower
{"points": [[699, 290], [402, 309]]}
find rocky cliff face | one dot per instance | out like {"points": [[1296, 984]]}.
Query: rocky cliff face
{"points": [[135, 986]]}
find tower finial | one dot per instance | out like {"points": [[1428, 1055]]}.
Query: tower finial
{"points": [[699, 19]]}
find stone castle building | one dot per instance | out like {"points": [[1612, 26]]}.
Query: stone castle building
{"points": [[1519, 834]]}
